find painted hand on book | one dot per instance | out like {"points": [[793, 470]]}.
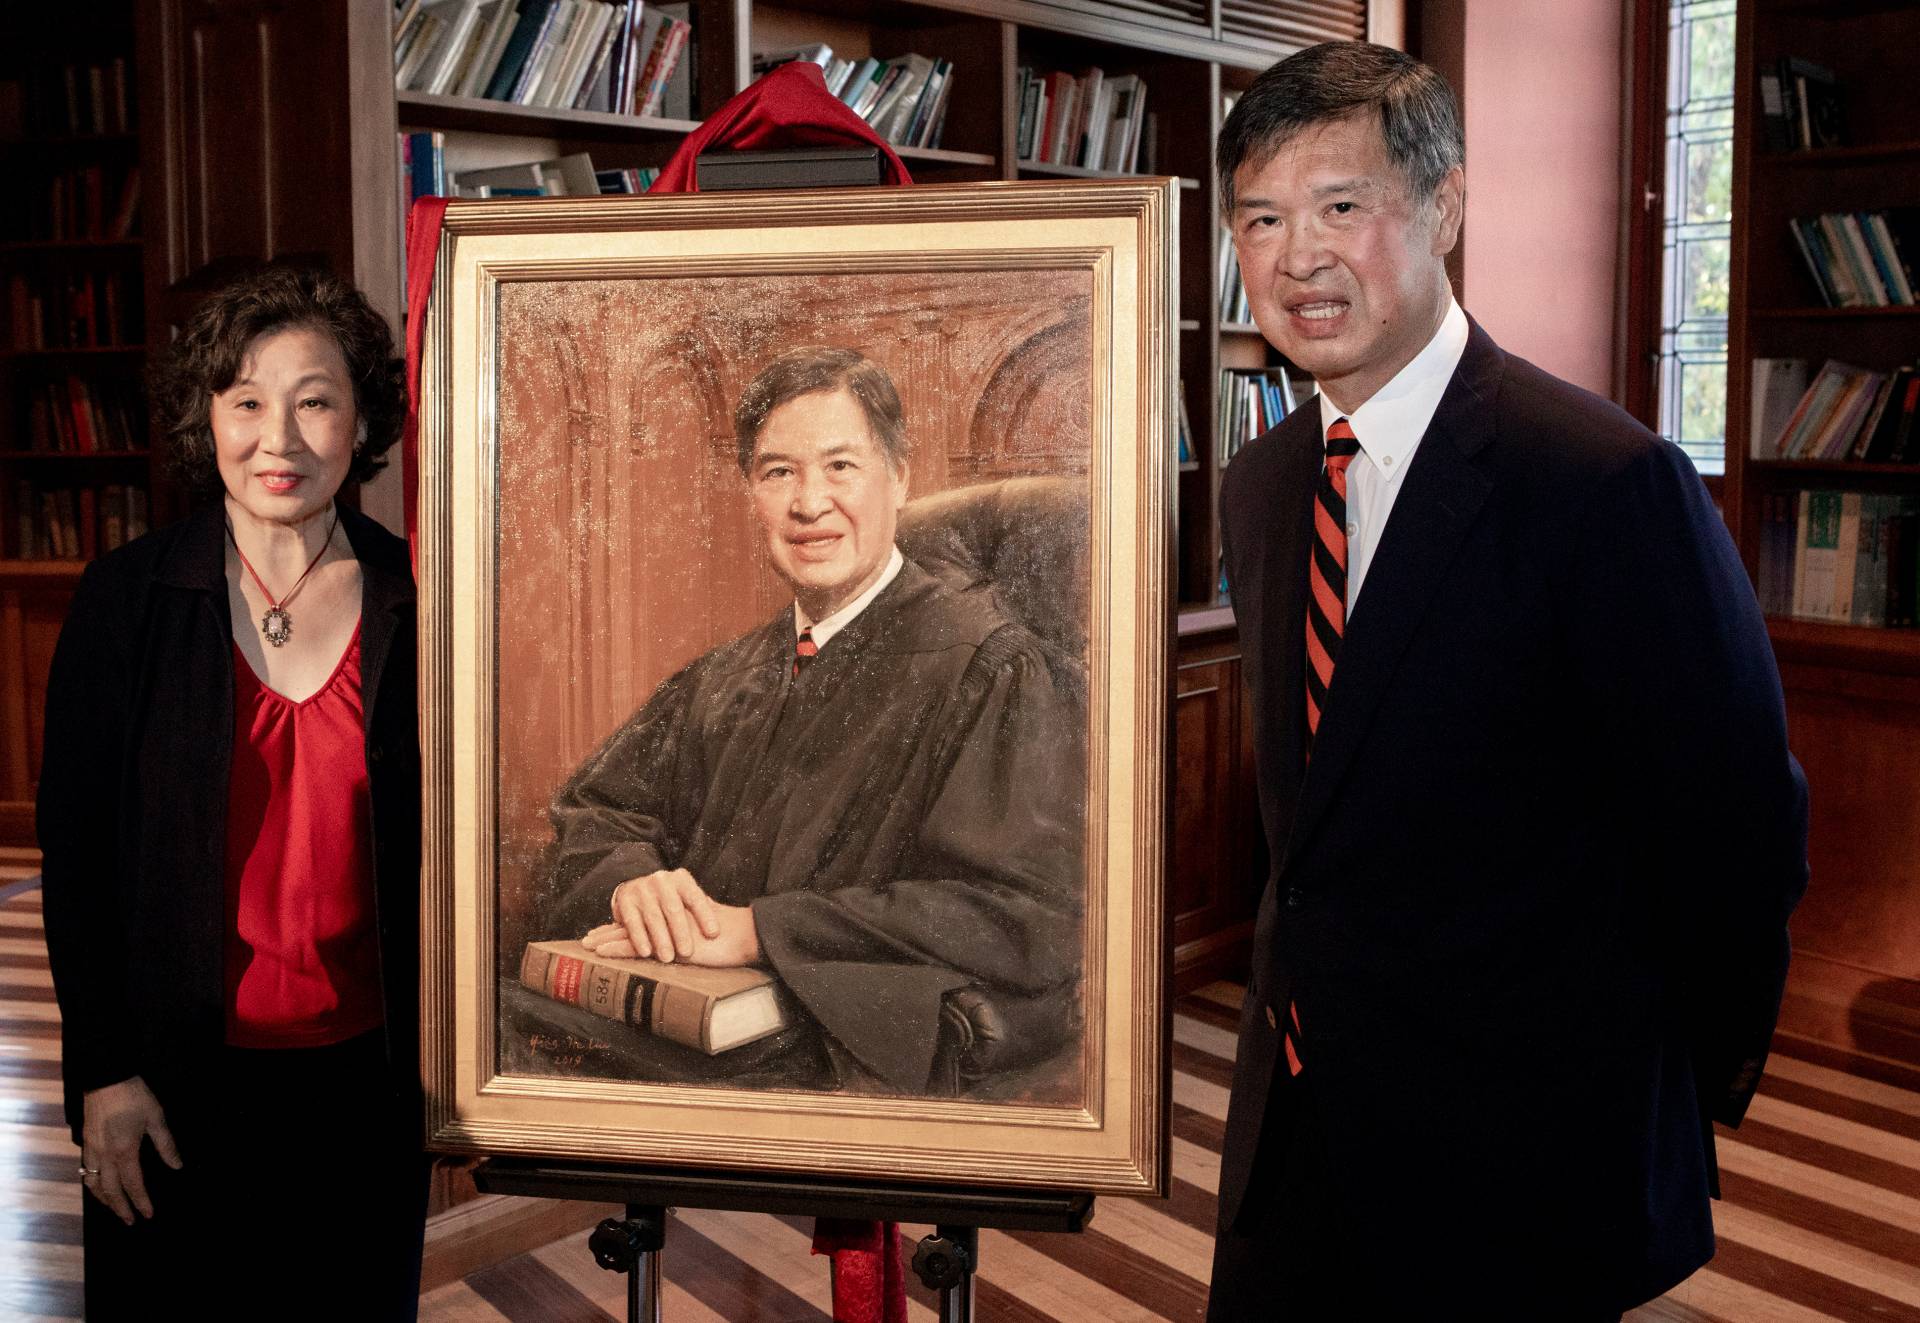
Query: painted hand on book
{"points": [[666, 916], [116, 1119]]}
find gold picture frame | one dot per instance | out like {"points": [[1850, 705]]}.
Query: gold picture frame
{"points": [[579, 540]]}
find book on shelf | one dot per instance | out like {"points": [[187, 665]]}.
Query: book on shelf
{"points": [[1252, 400], [1861, 259], [1092, 120], [73, 310], [72, 415], [73, 521], [621, 56], [1846, 413], [1234, 307], [1800, 106], [903, 97], [1184, 456], [799, 167], [572, 175], [1845, 557], [708, 1010], [68, 100], [97, 202]]}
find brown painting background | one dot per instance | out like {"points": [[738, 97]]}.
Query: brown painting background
{"points": [[626, 544]]}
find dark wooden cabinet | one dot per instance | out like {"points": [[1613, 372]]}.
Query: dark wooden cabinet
{"points": [[1216, 860]]}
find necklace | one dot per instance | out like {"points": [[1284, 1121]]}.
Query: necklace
{"points": [[276, 624]]}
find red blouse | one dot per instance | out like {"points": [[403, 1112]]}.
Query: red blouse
{"points": [[303, 961]]}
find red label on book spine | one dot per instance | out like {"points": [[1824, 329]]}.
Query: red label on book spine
{"points": [[566, 979]]}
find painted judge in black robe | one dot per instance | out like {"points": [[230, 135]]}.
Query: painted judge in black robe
{"points": [[897, 818]]}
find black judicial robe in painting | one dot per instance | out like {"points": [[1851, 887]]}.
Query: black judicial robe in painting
{"points": [[1530, 894], [904, 817]]}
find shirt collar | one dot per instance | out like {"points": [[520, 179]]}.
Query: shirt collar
{"points": [[1391, 423], [839, 620]]}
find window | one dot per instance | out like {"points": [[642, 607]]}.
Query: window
{"points": [[1696, 241]]}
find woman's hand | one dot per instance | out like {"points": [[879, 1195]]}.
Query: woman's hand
{"points": [[114, 1121], [665, 915]]}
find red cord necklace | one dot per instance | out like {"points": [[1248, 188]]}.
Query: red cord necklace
{"points": [[276, 624]]}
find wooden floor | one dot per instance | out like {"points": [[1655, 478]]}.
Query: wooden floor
{"points": [[1821, 1219]]}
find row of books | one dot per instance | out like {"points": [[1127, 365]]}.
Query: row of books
{"points": [[423, 173], [73, 310], [72, 522], [626, 57], [1846, 557], [93, 202], [1251, 401], [1861, 259], [1233, 290], [904, 97], [72, 415], [1184, 453], [1800, 106], [1091, 120], [67, 100], [1844, 413]]}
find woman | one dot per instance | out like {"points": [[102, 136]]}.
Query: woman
{"points": [[229, 813]]}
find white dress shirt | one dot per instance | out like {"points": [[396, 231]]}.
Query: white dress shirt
{"points": [[1389, 427], [839, 620]]}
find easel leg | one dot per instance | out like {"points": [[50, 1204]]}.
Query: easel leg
{"points": [[945, 1262], [633, 1246]]}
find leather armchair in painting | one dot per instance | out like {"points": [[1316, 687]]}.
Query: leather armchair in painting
{"points": [[1025, 540]]}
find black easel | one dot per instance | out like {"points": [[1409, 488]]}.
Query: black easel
{"points": [[945, 1261]]}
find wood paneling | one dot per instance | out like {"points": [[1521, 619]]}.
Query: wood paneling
{"points": [[1216, 865]]}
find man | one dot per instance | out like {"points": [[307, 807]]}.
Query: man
{"points": [[878, 794], [1523, 769]]}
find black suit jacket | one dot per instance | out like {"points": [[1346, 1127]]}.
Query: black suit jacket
{"points": [[1530, 896], [132, 809]]}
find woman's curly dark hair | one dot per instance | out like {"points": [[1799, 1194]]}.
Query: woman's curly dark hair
{"points": [[213, 346]]}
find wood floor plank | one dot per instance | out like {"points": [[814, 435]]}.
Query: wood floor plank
{"points": [[26, 1298], [1838, 1130], [1720, 1296], [21, 1066], [782, 1248], [456, 1302], [1115, 1263], [12, 943], [1197, 1165], [1889, 1096], [1204, 1037], [1198, 1128], [1872, 1115], [572, 1260], [525, 1290], [1827, 1156], [1806, 1213], [1207, 1099], [1818, 1182], [50, 1262], [1899, 1282], [1899, 1074], [1060, 1294], [1209, 1012], [1791, 1283], [1230, 995], [1202, 1066], [728, 1285], [1669, 1310], [25, 975], [1148, 1229]]}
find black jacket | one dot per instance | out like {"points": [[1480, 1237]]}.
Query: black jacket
{"points": [[1530, 895], [133, 799]]}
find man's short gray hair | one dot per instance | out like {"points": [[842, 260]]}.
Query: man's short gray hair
{"points": [[1419, 119]]}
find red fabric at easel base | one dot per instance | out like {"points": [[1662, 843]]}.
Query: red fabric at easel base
{"points": [[869, 1280]]}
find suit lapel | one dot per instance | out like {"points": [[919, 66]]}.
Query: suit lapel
{"points": [[1443, 495]]}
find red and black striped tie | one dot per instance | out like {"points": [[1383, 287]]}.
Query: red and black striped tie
{"points": [[803, 649], [1326, 617], [1327, 574]]}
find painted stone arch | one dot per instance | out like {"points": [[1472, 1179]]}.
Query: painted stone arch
{"points": [[1036, 410]]}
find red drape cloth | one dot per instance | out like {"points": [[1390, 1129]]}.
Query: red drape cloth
{"points": [[788, 107]]}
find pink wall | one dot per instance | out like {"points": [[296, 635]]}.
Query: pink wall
{"points": [[1542, 87]]}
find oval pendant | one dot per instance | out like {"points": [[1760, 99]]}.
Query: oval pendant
{"points": [[277, 625]]}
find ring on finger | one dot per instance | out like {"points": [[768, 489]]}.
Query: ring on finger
{"points": [[88, 1173]]}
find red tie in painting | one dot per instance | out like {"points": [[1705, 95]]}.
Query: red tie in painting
{"points": [[1326, 615], [803, 649]]}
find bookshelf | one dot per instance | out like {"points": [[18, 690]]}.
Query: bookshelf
{"points": [[76, 464], [1853, 691], [1184, 59]]}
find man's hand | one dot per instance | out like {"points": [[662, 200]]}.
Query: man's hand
{"points": [[114, 1121], [666, 916]]}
